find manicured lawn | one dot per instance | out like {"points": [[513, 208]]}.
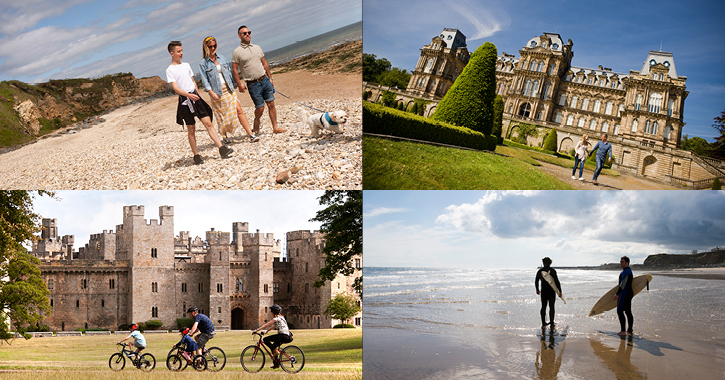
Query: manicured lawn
{"points": [[392, 164], [329, 354]]}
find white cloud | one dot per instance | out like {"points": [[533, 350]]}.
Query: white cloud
{"points": [[487, 18], [383, 211]]}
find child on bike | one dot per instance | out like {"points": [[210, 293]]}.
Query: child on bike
{"points": [[283, 334], [139, 340], [186, 340]]}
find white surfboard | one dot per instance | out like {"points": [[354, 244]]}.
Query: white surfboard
{"points": [[607, 301], [551, 282]]}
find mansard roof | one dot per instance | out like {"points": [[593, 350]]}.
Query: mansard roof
{"points": [[661, 57], [453, 38], [556, 43]]}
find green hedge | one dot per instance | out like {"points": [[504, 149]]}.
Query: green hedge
{"points": [[184, 322], [343, 326], [514, 144], [153, 324], [387, 121]]}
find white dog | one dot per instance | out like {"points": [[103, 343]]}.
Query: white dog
{"points": [[332, 121]]}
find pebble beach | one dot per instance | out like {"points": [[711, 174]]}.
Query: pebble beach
{"points": [[140, 147]]}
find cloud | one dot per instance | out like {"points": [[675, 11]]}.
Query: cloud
{"points": [[383, 211], [487, 18]]}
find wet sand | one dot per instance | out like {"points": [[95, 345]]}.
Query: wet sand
{"points": [[700, 273], [391, 354]]}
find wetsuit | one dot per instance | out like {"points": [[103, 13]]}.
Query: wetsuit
{"points": [[624, 302], [548, 296]]}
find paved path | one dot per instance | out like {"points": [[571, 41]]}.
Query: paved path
{"points": [[623, 182]]}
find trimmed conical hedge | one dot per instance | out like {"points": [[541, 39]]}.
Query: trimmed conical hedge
{"points": [[551, 141], [469, 102], [498, 119]]}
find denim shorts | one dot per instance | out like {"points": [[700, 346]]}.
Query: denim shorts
{"points": [[261, 92]]}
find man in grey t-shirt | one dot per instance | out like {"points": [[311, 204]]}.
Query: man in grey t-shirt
{"points": [[255, 75]]}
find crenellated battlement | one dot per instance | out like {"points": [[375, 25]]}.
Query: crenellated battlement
{"points": [[266, 239], [217, 237], [240, 227], [304, 234]]}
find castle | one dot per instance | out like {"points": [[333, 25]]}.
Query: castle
{"points": [[640, 111], [142, 272]]}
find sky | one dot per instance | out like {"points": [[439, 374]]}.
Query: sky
{"points": [[616, 34], [516, 229], [49, 39], [82, 213]]}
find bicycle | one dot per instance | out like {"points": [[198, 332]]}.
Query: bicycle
{"points": [[176, 361], [215, 357], [145, 362], [291, 358]]}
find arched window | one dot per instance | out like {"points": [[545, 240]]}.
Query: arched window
{"points": [[568, 78], [670, 106], [668, 130], [525, 110], [541, 67], [580, 124], [539, 115], [590, 80], [570, 119], [551, 69], [605, 126], [535, 89], [527, 88], [654, 128], [647, 126], [597, 103], [608, 109], [572, 104], [500, 89], [635, 123], [562, 100], [601, 82], [557, 119], [533, 65], [638, 102], [429, 66], [593, 124], [655, 101], [616, 129], [523, 64], [545, 95], [619, 111], [585, 104]]}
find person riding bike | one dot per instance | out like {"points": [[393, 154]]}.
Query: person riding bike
{"points": [[283, 334], [190, 345], [139, 339], [203, 325]]}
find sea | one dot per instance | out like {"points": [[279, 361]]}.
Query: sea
{"points": [[424, 322], [317, 44]]}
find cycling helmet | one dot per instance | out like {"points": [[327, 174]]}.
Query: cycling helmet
{"points": [[276, 309], [134, 327], [192, 309], [184, 331]]}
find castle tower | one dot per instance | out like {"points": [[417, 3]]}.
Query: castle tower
{"points": [[261, 251], [219, 285], [439, 64]]}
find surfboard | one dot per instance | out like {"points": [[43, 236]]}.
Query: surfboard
{"points": [[551, 282], [607, 301]]}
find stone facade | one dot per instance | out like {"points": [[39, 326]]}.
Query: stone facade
{"points": [[439, 65], [143, 272]]}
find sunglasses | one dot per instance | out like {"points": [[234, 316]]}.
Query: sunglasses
{"points": [[250, 33], [212, 46]]}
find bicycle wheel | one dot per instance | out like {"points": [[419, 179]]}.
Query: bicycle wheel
{"points": [[252, 359], [117, 362], [147, 363], [176, 363], [216, 359], [199, 363], [292, 359]]}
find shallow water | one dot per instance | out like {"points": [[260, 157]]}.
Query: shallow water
{"points": [[452, 323]]}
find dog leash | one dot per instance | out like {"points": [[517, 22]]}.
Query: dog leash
{"points": [[312, 108]]}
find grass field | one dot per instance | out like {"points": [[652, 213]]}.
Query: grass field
{"points": [[329, 354], [392, 165]]}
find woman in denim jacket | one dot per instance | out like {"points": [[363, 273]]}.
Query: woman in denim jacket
{"points": [[219, 83]]}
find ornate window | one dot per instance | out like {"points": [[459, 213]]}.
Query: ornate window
{"points": [[585, 104], [670, 106], [597, 103], [557, 119], [525, 110], [655, 101], [647, 126], [551, 69], [535, 89], [638, 102], [616, 129], [580, 124], [562, 100], [546, 91], [635, 123], [608, 109], [570, 119], [593, 124], [668, 130], [601, 82], [654, 128], [541, 67], [619, 111], [429, 66], [572, 104], [527, 88], [605, 126], [533, 65]]}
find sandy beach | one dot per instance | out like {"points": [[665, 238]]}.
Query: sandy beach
{"points": [[140, 146], [700, 273]]}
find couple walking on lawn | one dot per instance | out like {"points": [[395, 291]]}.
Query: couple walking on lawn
{"points": [[603, 149]]}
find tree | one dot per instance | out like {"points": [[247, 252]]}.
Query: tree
{"points": [[343, 307], [388, 98], [716, 184], [342, 226], [23, 293], [395, 77], [524, 131], [497, 129], [551, 141], [718, 147], [373, 67], [697, 145], [469, 102]]}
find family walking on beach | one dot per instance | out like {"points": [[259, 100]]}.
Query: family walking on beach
{"points": [[603, 149], [221, 83], [551, 287]]}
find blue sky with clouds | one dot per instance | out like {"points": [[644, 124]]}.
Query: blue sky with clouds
{"points": [[82, 213], [616, 34], [50, 39], [515, 229]]}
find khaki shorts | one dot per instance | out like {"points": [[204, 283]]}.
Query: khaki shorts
{"points": [[202, 338]]}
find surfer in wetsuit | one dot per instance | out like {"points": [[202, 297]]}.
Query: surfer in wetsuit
{"points": [[548, 294], [624, 296]]}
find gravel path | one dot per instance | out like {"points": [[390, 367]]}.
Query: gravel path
{"points": [[623, 182], [140, 146]]}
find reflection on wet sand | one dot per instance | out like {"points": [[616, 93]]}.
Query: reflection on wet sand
{"points": [[618, 361], [547, 362]]}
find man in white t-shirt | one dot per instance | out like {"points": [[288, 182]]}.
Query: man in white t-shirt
{"points": [[255, 73], [180, 77]]}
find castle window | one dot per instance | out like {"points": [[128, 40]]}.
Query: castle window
{"points": [[240, 286], [593, 124], [597, 103], [298, 252], [579, 78], [570, 119], [572, 104], [219, 310], [275, 287], [103, 303], [307, 287], [154, 253], [585, 104], [358, 321], [183, 287], [306, 267], [78, 303], [84, 284], [112, 283], [539, 115], [666, 63], [652, 62], [605, 126], [289, 287], [614, 84], [266, 288], [616, 129], [358, 264], [50, 284], [590, 81], [525, 110], [634, 125], [638, 102], [555, 46], [219, 288], [51, 302], [580, 124], [601, 82], [661, 76], [429, 66], [536, 88], [201, 287], [154, 312], [500, 89], [608, 109], [154, 287], [655, 101]]}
